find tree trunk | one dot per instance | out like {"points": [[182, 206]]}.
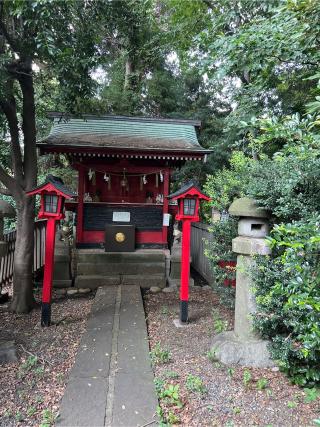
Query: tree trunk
{"points": [[23, 300], [128, 75]]}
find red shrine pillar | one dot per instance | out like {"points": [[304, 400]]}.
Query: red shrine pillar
{"points": [[48, 271], [185, 269], [166, 179], [79, 230]]}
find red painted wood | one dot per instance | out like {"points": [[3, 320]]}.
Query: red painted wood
{"points": [[101, 191], [165, 202], [230, 267], [117, 165], [49, 260], [185, 260], [141, 237], [81, 189]]}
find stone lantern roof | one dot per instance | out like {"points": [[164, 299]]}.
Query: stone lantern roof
{"points": [[6, 210], [247, 207]]}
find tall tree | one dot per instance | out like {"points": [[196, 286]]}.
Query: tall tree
{"points": [[56, 39]]}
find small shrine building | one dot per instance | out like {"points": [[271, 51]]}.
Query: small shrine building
{"points": [[124, 167]]}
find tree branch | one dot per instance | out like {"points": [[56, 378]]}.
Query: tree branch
{"points": [[285, 61], [5, 32], [28, 125], [5, 191], [7, 180], [10, 111]]}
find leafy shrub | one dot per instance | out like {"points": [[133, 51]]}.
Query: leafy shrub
{"points": [[262, 383], [195, 384], [288, 299], [288, 186], [171, 395], [159, 355], [228, 184]]}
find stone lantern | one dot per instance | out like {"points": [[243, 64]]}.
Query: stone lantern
{"points": [[243, 346], [6, 211]]}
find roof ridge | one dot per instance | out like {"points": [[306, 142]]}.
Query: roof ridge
{"points": [[67, 116]]}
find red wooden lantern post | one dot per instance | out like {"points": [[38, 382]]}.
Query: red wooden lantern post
{"points": [[188, 198], [53, 194]]}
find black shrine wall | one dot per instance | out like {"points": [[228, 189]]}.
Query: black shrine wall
{"points": [[142, 217]]}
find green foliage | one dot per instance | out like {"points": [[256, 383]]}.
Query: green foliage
{"points": [[158, 384], [230, 372], [48, 418], [220, 326], [288, 299], [31, 411], [246, 379], [212, 355], [228, 184], [19, 416], [159, 355], [311, 394], [262, 383], [291, 404], [28, 365], [195, 384], [171, 395]]}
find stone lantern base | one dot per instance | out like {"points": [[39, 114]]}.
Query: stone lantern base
{"points": [[231, 350]]}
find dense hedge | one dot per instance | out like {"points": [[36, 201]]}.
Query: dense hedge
{"points": [[288, 282], [287, 287]]}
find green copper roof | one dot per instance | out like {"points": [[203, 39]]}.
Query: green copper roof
{"points": [[125, 133]]}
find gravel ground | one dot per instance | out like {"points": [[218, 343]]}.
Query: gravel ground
{"points": [[30, 389], [217, 395]]}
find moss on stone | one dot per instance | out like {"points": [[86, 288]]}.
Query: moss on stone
{"points": [[248, 208]]}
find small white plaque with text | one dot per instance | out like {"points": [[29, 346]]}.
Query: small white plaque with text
{"points": [[121, 217]]}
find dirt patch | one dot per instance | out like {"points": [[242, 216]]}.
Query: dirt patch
{"points": [[208, 392], [30, 389]]}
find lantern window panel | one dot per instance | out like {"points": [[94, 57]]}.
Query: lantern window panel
{"points": [[51, 203], [189, 206]]}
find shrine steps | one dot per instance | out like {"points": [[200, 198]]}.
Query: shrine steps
{"points": [[144, 268]]}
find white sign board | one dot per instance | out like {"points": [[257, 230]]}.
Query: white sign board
{"points": [[121, 217], [166, 220]]}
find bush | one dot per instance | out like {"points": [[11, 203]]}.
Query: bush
{"points": [[288, 299], [287, 186]]}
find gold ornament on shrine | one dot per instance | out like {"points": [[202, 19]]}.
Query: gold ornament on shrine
{"points": [[120, 237]]}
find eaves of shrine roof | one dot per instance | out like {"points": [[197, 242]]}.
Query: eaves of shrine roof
{"points": [[123, 133]]}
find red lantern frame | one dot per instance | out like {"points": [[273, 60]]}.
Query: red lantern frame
{"points": [[53, 186], [189, 191]]}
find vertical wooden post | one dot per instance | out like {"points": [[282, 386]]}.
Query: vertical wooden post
{"points": [[166, 179], [79, 230], [48, 272], [185, 270]]}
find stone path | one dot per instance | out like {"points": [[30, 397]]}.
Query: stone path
{"points": [[111, 383]]}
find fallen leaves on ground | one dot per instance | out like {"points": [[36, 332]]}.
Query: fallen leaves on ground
{"points": [[31, 388], [222, 395]]}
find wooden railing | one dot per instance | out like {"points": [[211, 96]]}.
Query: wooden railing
{"points": [[6, 262]]}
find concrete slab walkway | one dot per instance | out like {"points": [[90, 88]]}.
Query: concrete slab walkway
{"points": [[111, 383]]}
